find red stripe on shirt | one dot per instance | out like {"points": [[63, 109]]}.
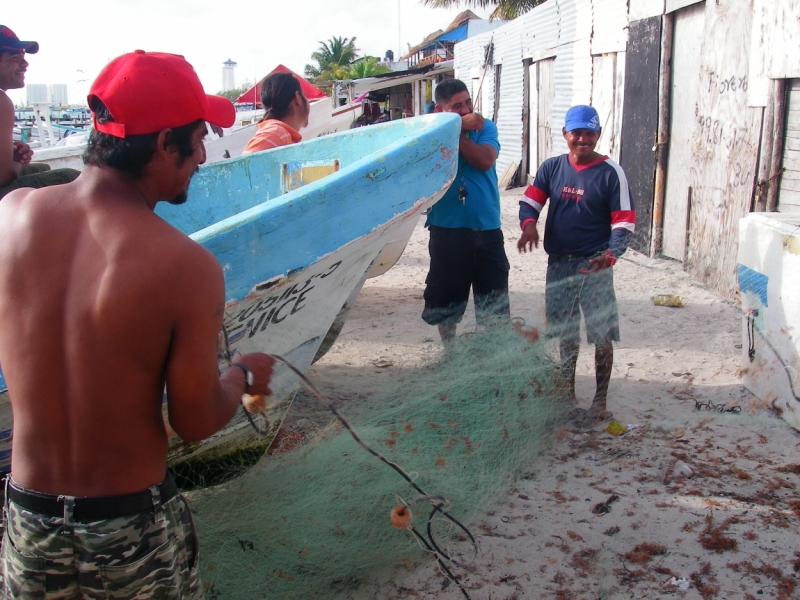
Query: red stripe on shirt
{"points": [[623, 219], [623, 216], [536, 194]]}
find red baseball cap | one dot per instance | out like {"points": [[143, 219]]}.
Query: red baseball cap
{"points": [[146, 92]]}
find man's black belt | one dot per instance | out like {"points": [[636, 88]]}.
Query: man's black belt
{"points": [[107, 507]]}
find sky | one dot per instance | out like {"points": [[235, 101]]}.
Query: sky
{"points": [[78, 38]]}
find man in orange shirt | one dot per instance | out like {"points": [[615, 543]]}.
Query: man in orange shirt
{"points": [[287, 111]]}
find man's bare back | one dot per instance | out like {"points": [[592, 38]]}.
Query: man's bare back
{"points": [[103, 303]]}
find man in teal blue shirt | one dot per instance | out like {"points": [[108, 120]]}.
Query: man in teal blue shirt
{"points": [[466, 243]]}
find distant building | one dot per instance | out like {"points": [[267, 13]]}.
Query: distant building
{"points": [[228, 80], [439, 46], [58, 94], [36, 93], [408, 89]]}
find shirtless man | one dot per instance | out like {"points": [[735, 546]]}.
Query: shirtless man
{"points": [[103, 305], [16, 168]]}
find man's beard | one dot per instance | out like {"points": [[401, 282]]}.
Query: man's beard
{"points": [[184, 195]]}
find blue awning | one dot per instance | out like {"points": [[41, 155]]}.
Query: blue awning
{"points": [[456, 35]]}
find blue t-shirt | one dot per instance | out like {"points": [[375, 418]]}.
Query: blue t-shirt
{"points": [[481, 208], [590, 206]]}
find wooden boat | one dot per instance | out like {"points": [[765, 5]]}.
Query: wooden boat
{"points": [[296, 230]]}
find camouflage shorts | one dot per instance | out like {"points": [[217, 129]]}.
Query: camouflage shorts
{"points": [[153, 554]]}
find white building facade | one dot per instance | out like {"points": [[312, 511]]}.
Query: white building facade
{"points": [[58, 94], [36, 93]]}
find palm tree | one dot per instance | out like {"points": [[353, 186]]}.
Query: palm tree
{"points": [[365, 67], [335, 53], [504, 9]]}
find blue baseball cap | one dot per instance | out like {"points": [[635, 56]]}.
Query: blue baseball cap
{"points": [[582, 117], [9, 42]]}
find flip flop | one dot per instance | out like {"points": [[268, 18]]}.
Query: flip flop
{"points": [[587, 420]]}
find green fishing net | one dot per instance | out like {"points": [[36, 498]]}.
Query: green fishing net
{"points": [[314, 522]]}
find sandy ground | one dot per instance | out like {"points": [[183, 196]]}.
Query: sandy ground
{"points": [[729, 530]]}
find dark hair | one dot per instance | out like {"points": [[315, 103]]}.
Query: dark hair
{"points": [[447, 89], [277, 93], [134, 152]]}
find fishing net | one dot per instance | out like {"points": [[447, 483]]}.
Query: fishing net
{"points": [[314, 522]]}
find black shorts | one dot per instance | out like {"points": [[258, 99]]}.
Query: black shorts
{"points": [[464, 259], [568, 292]]}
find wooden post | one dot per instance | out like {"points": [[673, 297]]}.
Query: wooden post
{"points": [[524, 166], [688, 228], [778, 134], [765, 156], [662, 136]]}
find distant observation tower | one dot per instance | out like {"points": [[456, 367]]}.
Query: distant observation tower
{"points": [[228, 81]]}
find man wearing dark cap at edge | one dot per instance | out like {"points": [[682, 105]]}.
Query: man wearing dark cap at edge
{"points": [[16, 168], [103, 305]]}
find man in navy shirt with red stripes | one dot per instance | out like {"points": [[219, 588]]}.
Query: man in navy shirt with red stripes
{"points": [[589, 224]]}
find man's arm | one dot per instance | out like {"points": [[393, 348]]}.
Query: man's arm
{"points": [[623, 224], [480, 156], [201, 402], [9, 164], [530, 206]]}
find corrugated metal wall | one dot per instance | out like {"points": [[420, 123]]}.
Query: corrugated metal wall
{"points": [[508, 53], [569, 30]]}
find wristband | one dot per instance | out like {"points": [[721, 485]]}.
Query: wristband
{"points": [[610, 256], [525, 222], [248, 375]]}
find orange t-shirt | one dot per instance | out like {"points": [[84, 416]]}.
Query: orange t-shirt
{"points": [[271, 134]]}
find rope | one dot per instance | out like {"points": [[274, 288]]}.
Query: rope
{"points": [[721, 408]]}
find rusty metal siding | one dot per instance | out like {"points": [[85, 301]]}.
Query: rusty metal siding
{"points": [[725, 143], [789, 195]]}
